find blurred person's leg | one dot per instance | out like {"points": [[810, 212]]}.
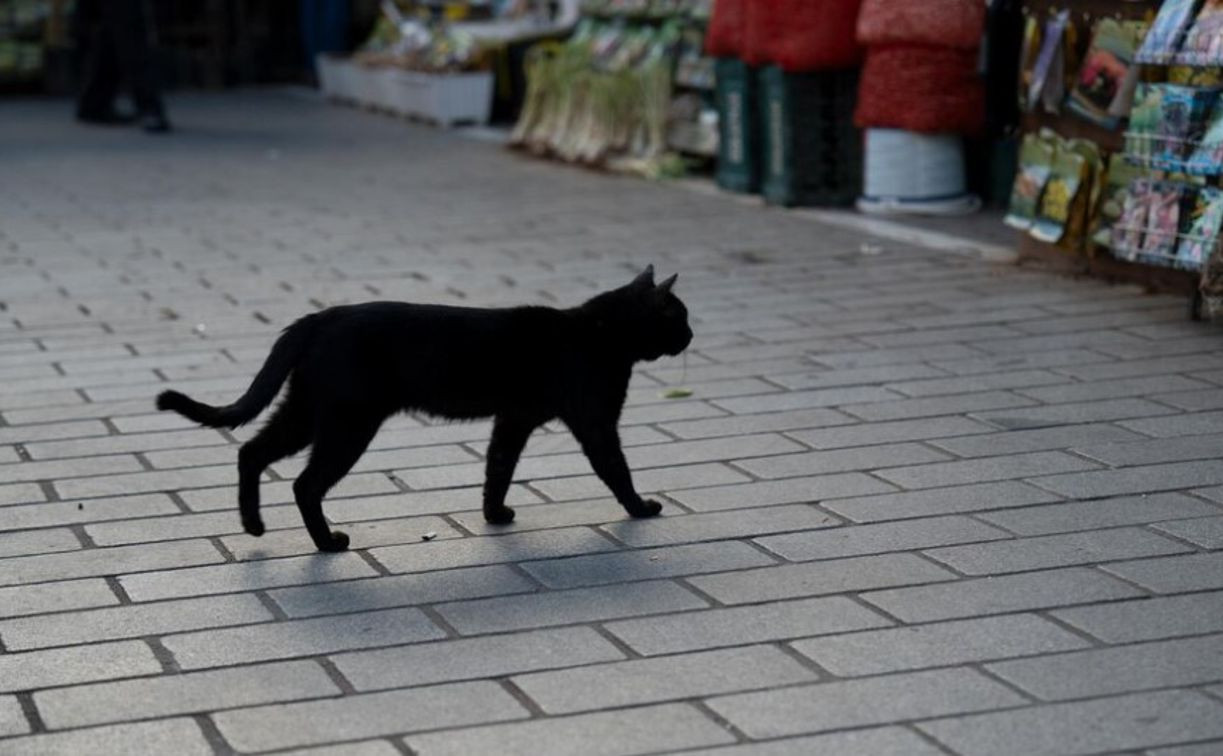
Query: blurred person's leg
{"points": [[128, 22], [99, 83]]}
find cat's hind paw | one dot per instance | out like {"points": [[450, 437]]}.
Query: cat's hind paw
{"points": [[500, 516], [647, 508], [338, 542]]}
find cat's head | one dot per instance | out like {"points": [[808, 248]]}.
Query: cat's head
{"points": [[650, 318]]}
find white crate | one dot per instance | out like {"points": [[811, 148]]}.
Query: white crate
{"points": [[444, 98]]}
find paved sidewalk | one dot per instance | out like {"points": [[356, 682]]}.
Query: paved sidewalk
{"points": [[916, 504]]}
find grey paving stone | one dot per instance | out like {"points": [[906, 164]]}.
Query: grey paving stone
{"points": [[998, 595], [1206, 532], [1069, 516], [1010, 467], [242, 576], [139, 442], [567, 607], [1149, 618], [295, 541], [74, 512], [627, 683], [773, 421], [939, 501], [817, 578], [48, 469], [937, 645], [12, 718], [901, 409], [1039, 439], [867, 434], [1111, 389], [841, 460], [1182, 424], [149, 697], [364, 748], [1131, 368], [364, 716], [894, 356], [718, 525], [20, 493], [980, 382], [1174, 574], [879, 741], [135, 482], [1082, 727], [800, 400], [400, 590], [560, 515], [203, 525], [785, 491], [1122, 410], [646, 481], [646, 564], [66, 595], [758, 623], [812, 379], [1061, 550], [177, 736], [1200, 749], [473, 658], [1202, 399], [71, 628], [854, 703], [650, 729], [30, 435], [511, 547], [109, 561], [64, 666], [305, 637], [1057, 358], [1143, 479], [1153, 451], [27, 542], [859, 540]]}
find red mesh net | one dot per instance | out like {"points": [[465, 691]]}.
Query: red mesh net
{"points": [[938, 23], [929, 89]]}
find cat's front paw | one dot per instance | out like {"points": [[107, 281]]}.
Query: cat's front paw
{"points": [[499, 516], [338, 542], [253, 525], [647, 508]]}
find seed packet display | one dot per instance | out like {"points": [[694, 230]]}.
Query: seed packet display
{"points": [[1183, 112], [1121, 173], [1105, 74], [1207, 158], [1162, 42], [1203, 43], [1144, 120], [1127, 231], [1049, 73], [1200, 228], [1091, 184], [1163, 223], [1060, 197], [1035, 164]]}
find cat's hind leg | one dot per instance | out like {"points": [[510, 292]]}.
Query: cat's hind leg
{"points": [[509, 437], [288, 432], [338, 444]]}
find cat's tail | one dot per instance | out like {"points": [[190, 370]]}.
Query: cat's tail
{"points": [[284, 357]]}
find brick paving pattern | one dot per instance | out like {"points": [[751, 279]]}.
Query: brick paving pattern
{"points": [[917, 503]]}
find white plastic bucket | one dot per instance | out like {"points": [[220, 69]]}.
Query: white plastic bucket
{"points": [[916, 173]]}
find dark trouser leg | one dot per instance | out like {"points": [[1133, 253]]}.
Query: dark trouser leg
{"points": [[99, 75], [126, 21]]}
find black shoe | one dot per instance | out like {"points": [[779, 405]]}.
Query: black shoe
{"points": [[154, 123], [106, 118]]}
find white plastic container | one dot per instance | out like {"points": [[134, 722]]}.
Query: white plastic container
{"points": [[443, 98], [907, 172]]}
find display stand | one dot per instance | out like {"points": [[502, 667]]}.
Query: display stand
{"points": [[1090, 261]]}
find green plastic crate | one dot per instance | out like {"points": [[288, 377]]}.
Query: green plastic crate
{"points": [[738, 126], [811, 152]]}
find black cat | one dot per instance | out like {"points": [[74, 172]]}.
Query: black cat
{"points": [[351, 367]]}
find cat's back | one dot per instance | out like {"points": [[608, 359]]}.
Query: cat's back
{"points": [[416, 326]]}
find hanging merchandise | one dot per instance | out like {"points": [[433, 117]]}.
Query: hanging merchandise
{"points": [[804, 35], [1164, 39], [1104, 87], [927, 89], [1035, 166], [1203, 43], [1120, 175], [937, 23], [1047, 85]]}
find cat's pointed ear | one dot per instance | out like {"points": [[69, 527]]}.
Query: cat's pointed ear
{"points": [[665, 286], [645, 279]]}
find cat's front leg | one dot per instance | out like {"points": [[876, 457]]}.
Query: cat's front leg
{"points": [[509, 438], [601, 444]]}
